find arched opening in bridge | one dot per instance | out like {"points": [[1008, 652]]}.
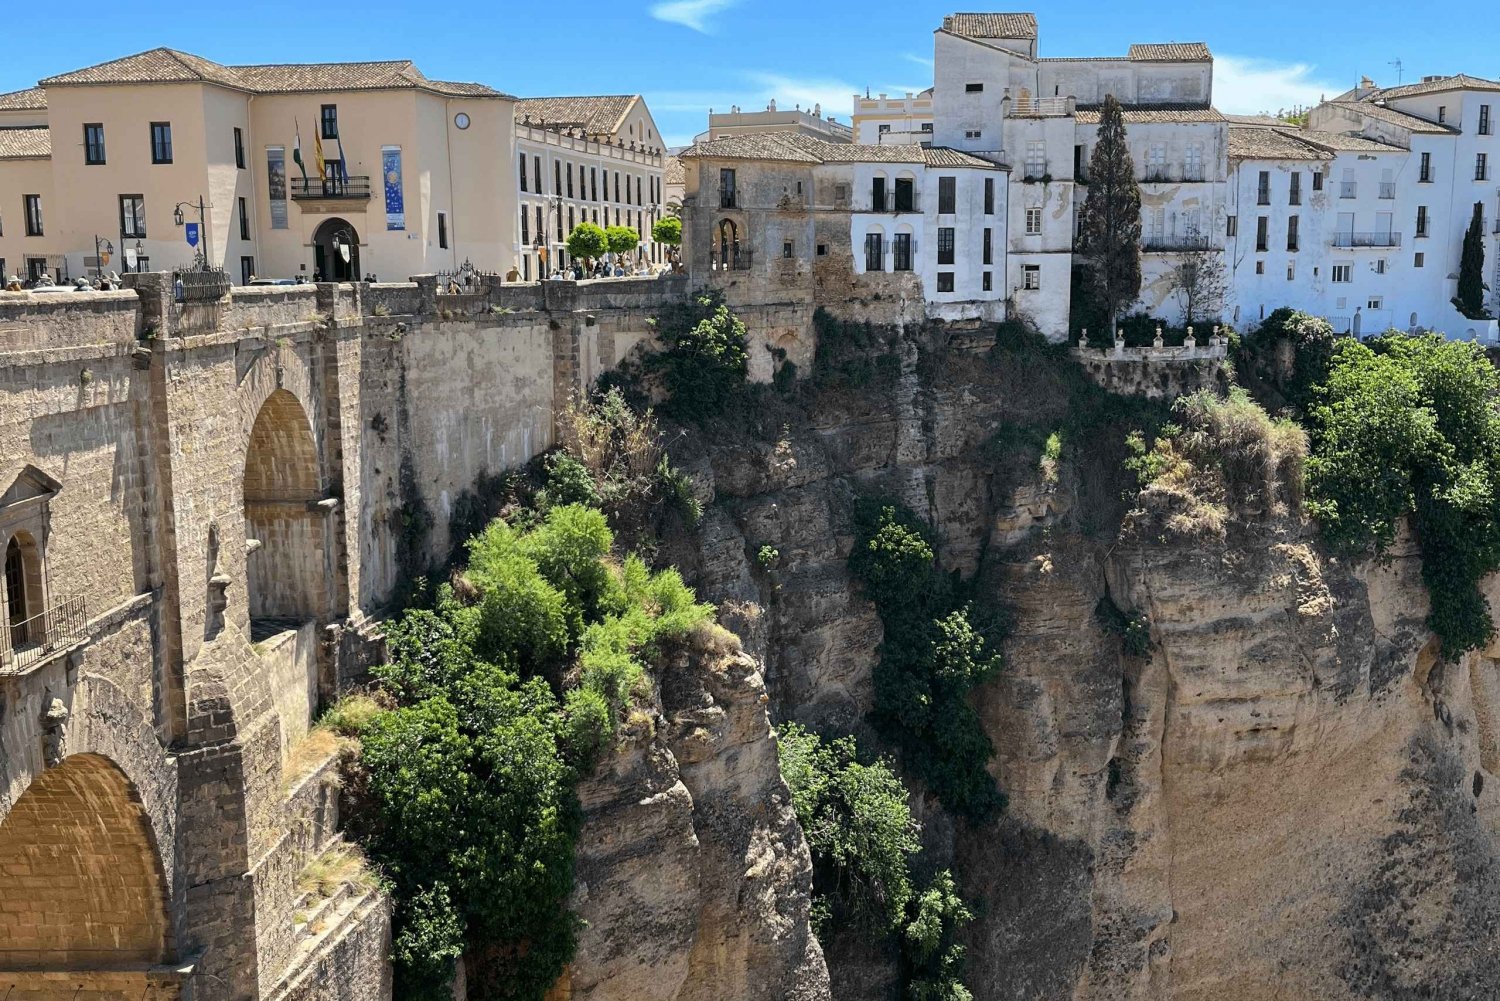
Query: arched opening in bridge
{"points": [[286, 569], [23, 591], [336, 252], [87, 886]]}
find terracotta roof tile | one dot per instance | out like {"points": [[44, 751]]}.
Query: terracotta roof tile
{"points": [[1252, 142], [1393, 117], [1155, 114], [756, 146], [942, 156], [1171, 52], [33, 99], [1339, 143], [792, 147], [25, 143], [991, 25], [597, 116], [673, 172], [1459, 81], [171, 66]]}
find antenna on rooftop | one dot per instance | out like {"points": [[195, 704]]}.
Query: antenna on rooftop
{"points": [[1397, 64]]}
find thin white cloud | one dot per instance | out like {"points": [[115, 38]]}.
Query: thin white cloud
{"points": [[836, 97], [680, 110], [1247, 86], [689, 13], [919, 60]]}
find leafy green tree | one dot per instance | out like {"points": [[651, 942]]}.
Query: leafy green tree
{"points": [[859, 829], [933, 958], [1409, 425], [1109, 230], [622, 239], [703, 363], [668, 230], [587, 242], [1471, 286]]}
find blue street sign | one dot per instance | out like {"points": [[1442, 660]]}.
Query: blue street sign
{"points": [[192, 234]]}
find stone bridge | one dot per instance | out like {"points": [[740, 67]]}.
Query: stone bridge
{"points": [[203, 508]]}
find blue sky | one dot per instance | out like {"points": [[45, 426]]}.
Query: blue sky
{"points": [[689, 55]]}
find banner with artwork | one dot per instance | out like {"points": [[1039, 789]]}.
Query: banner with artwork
{"points": [[276, 182], [390, 170]]}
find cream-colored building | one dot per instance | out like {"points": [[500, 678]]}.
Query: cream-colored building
{"points": [[807, 122], [585, 159], [132, 147]]}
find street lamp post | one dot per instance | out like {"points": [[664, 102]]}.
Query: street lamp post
{"points": [[202, 256], [554, 203], [101, 244]]}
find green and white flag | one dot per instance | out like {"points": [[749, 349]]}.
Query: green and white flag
{"points": [[297, 151]]}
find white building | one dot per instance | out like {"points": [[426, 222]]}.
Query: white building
{"points": [[893, 119], [586, 159]]}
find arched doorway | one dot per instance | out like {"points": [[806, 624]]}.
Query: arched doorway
{"points": [[332, 241], [286, 573], [78, 841], [729, 244], [23, 591]]}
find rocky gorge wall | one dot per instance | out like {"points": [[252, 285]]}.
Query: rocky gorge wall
{"points": [[1291, 796]]}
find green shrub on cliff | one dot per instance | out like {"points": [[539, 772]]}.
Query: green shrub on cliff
{"points": [[1409, 425], [934, 653], [468, 782], [703, 361]]}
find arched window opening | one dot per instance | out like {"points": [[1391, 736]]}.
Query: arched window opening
{"points": [[287, 572]]}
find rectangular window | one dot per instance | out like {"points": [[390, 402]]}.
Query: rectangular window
{"points": [[786, 249], [523, 171], [1291, 271], [569, 173], [1232, 226], [1294, 196], [1380, 266], [1031, 277], [1263, 188], [536, 162], [945, 245], [1033, 222], [988, 282], [901, 252], [638, 190], [161, 142], [133, 216], [906, 195], [1421, 220], [1036, 159], [93, 144], [617, 188], [1484, 119], [1317, 180], [874, 252], [973, 88], [945, 281], [1192, 169], [33, 204], [1343, 274], [570, 218], [726, 188], [1262, 233], [947, 195], [557, 177], [1481, 166], [988, 247], [525, 226], [1424, 174], [560, 225], [1260, 267], [1374, 303], [1418, 260], [973, 134], [1442, 114], [593, 184], [1156, 162], [1291, 233], [244, 208], [330, 121], [443, 230], [247, 270], [239, 148], [989, 196], [882, 129]]}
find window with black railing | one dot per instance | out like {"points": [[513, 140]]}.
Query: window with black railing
{"points": [[874, 252], [901, 252]]}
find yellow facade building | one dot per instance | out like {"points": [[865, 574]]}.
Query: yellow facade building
{"points": [[415, 176]]}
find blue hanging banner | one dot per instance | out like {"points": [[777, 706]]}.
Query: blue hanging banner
{"points": [[191, 232], [276, 184], [395, 204]]}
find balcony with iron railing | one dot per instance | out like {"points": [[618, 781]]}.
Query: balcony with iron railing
{"points": [[1383, 239], [1043, 107], [356, 187], [1387, 189], [727, 199], [56, 628], [891, 201], [735, 260], [1168, 243], [1348, 189]]}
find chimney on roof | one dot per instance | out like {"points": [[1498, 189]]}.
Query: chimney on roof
{"points": [[1434, 76], [818, 110]]}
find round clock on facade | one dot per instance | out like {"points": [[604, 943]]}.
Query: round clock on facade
{"points": [[461, 120]]}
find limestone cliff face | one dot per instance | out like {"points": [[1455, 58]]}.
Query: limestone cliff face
{"points": [[693, 876], [1293, 797]]}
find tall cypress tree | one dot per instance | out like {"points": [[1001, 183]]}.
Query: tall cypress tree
{"points": [[1470, 298], [1109, 232]]}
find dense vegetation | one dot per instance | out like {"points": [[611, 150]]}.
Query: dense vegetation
{"points": [[498, 698], [864, 842], [703, 360], [1408, 425], [936, 650]]}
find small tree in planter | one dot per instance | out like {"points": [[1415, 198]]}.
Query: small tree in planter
{"points": [[587, 242], [622, 239]]}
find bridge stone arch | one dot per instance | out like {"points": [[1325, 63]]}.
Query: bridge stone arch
{"points": [[90, 889], [287, 575]]}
